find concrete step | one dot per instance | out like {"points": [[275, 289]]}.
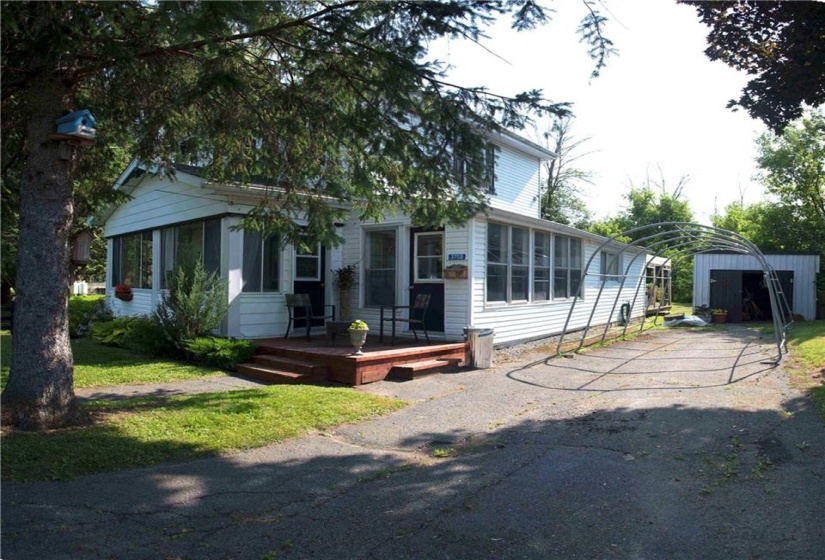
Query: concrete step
{"points": [[296, 365], [273, 375], [424, 367]]}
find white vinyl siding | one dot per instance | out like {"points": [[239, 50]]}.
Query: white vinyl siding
{"points": [[519, 321], [517, 182]]}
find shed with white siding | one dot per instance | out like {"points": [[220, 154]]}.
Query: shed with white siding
{"points": [[735, 282]]}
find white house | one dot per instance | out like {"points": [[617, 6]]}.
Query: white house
{"points": [[508, 270]]}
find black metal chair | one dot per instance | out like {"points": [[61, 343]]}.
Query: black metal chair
{"points": [[416, 318], [301, 302]]}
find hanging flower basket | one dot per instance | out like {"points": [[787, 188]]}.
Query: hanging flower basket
{"points": [[124, 292]]}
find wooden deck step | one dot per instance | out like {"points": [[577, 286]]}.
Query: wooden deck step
{"points": [[273, 375], [425, 367], [295, 365]]}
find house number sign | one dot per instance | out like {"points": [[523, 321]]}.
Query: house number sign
{"points": [[457, 257]]}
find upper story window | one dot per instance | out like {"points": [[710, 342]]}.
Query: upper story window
{"points": [[132, 260], [185, 244], [567, 266], [261, 262], [463, 163], [610, 266]]}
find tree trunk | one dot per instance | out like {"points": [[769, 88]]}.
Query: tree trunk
{"points": [[40, 392]]}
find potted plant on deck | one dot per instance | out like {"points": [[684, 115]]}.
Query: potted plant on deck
{"points": [[719, 315], [358, 335], [344, 280]]}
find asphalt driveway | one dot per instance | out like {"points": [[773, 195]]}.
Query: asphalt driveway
{"points": [[679, 444]]}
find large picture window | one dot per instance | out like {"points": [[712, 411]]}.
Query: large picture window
{"points": [[567, 267], [379, 268], [185, 244], [261, 262], [132, 260]]}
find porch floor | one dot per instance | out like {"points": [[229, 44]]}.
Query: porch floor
{"points": [[297, 359]]}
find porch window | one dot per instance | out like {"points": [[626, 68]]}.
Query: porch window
{"points": [[567, 267], [508, 263], [185, 244], [610, 266], [379, 268], [520, 264], [261, 262], [132, 260], [497, 259], [541, 266]]}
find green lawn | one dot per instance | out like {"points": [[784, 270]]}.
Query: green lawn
{"points": [[97, 365], [144, 432], [806, 341]]}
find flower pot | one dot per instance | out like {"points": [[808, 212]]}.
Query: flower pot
{"points": [[720, 318], [124, 296], [357, 338]]}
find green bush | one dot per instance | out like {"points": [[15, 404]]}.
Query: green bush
{"points": [[144, 336], [195, 304], [139, 334], [112, 332], [225, 353], [84, 312]]}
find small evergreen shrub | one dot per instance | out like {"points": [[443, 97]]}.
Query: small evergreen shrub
{"points": [[225, 353], [84, 312], [195, 304]]}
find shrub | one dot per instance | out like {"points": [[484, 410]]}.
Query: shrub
{"points": [[84, 312], [195, 303], [143, 335], [112, 332], [139, 334], [224, 353]]}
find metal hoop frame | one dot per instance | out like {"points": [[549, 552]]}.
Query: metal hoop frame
{"points": [[691, 239]]}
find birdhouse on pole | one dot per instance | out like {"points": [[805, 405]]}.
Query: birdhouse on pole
{"points": [[79, 124]]}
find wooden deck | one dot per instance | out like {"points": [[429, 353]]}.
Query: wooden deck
{"points": [[297, 360]]}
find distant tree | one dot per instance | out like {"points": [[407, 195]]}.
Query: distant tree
{"points": [[772, 226], [326, 101], [792, 166], [782, 44], [561, 199], [651, 203]]}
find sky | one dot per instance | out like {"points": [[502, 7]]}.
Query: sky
{"points": [[659, 104]]}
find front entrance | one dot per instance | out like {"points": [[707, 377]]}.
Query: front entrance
{"points": [[427, 274], [310, 278]]}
